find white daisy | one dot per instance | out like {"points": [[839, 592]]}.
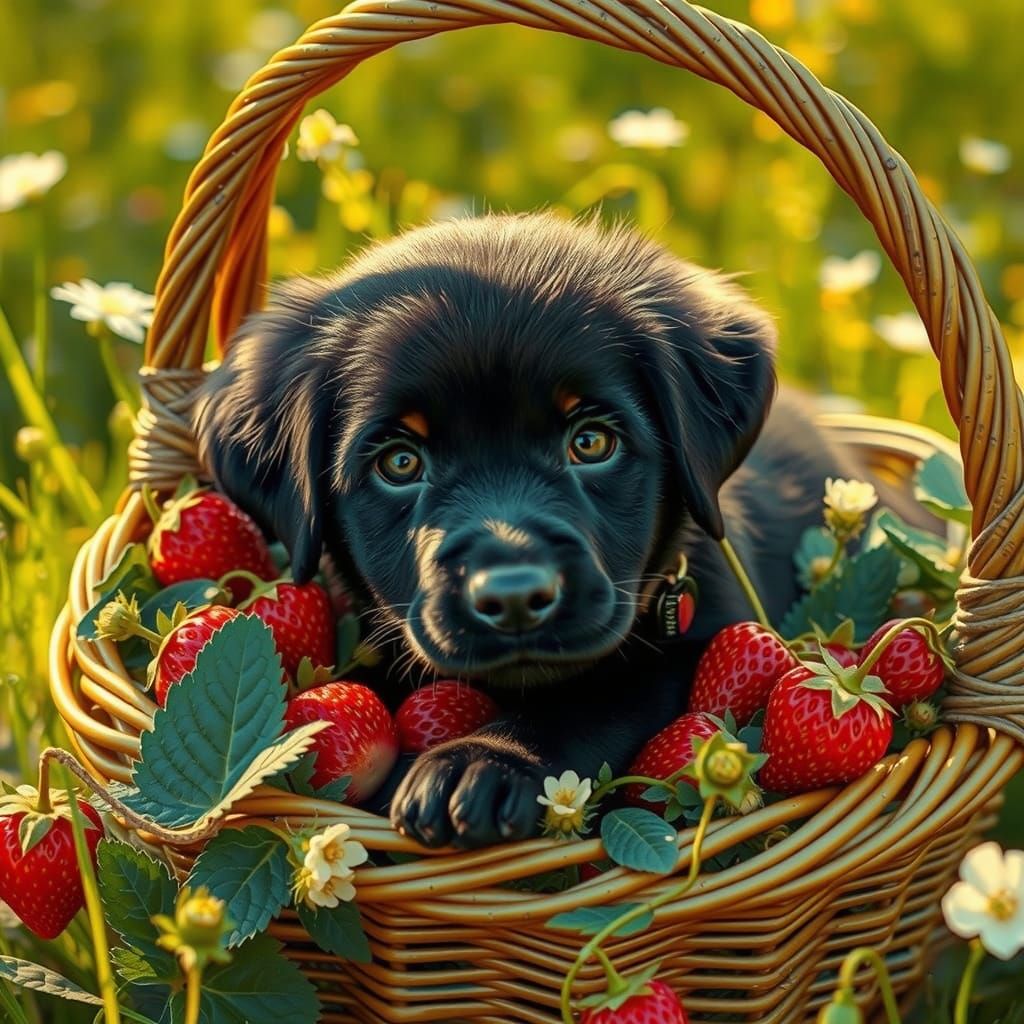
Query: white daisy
{"points": [[984, 156], [653, 129], [565, 798], [845, 276], [26, 176], [119, 306], [904, 332]]}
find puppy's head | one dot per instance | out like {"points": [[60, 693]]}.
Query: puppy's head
{"points": [[497, 427]]}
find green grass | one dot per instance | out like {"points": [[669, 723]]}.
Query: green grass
{"points": [[498, 117]]}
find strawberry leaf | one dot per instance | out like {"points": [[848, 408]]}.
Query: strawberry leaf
{"points": [[192, 594], [816, 543], [860, 590], [219, 734], [939, 486], [133, 888], [42, 979], [247, 869], [925, 550], [131, 575], [638, 839], [346, 638], [591, 920], [337, 930], [258, 986]]}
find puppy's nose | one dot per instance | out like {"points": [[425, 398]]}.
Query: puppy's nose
{"points": [[514, 598]]}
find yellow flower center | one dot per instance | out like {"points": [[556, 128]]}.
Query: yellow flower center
{"points": [[1003, 905], [724, 768], [203, 912], [112, 305], [564, 822]]}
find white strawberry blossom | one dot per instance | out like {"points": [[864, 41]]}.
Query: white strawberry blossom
{"points": [[565, 798], [988, 902], [118, 306], [846, 504], [653, 129], [325, 877], [843, 277], [322, 139], [27, 176]]}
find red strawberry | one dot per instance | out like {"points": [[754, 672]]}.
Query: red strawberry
{"points": [[910, 669], [655, 1003], [442, 711], [820, 729], [177, 654], [669, 750], [43, 886], [361, 741], [738, 670], [203, 535], [302, 621]]}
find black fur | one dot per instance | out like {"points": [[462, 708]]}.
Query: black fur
{"points": [[482, 327]]}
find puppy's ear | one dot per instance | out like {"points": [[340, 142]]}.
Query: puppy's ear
{"points": [[711, 372], [263, 422]]}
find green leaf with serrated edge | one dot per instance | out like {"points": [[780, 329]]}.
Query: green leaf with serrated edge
{"points": [[192, 594], [248, 869], [133, 967], [268, 762], [134, 887], [939, 486], [639, 839], [259, 986], [337, 930], [26, 974], [861, 590], [132, 575], [591, 920], [923, 549], [218, 724], [346, 636]]}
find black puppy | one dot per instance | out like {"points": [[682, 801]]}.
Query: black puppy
{"points": [[502, 430]]}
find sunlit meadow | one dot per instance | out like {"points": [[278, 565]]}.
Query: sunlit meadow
{"points": [[124, 95]]}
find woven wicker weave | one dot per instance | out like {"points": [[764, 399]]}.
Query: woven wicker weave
{"points": [[867, 864]]}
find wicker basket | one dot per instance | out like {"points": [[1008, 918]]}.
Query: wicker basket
{"points": [[755, 942]]}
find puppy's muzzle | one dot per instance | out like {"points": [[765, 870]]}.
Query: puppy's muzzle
{"points": [[514, 598]]}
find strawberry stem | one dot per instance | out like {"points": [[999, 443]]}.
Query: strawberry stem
{"points": [[260, 586], [848, 974], [616, 984], [44, 805], [591, 948], [183, 837], [923, 625], [626, 780], [744, 581], [153, 509]]}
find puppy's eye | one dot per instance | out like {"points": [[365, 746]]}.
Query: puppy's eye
{"points": [[591, 443], [400, 464]]}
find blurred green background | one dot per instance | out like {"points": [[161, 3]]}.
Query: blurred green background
{"points": [[496, 118]]}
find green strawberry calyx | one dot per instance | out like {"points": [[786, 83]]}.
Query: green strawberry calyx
{"points": [[847, 687], [198, 932], [40, 814], [724, 767], [619, 988], [167, 518]]}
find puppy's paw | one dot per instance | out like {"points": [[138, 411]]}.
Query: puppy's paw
{"points": [[469, 792]]}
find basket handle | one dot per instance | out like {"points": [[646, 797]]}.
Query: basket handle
{"points": [[215, 265]]}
